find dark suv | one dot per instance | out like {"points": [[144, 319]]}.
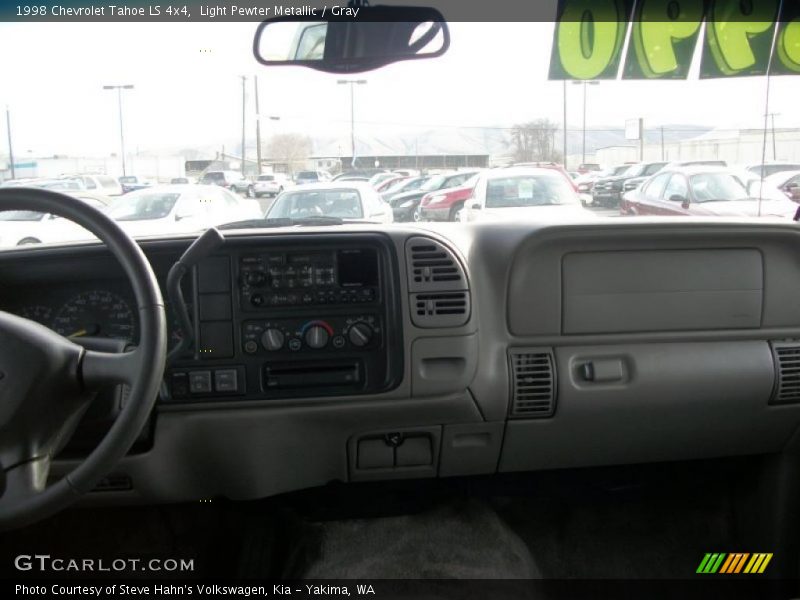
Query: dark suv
{"points": [[607, 191]]}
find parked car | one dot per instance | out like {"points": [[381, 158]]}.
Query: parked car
{"points": [[181, 180], [635, 182], [350, 200], [404, 205], [766, 169], [523, 194], [607, 191], [387, 183], [365, 173], [170, 208], [379, 178], [586, 167], [551, 165], [100, 184], [446, 204], [701, 191], [24, 227], [585, 182], [785, 181], [131, 183], [404, 185], [302, 177], [270, 184], [58, 185], [232, 180]]}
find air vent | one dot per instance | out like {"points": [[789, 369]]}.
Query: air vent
{"points": [[445, 309], [439, 294], [787, 373], [432, 267], [533, 383]]}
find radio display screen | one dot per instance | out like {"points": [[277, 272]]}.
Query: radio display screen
{"points": [[357, 268]]}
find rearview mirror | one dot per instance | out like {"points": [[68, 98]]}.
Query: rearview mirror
{"points": [[474, 205], [365, 38]]}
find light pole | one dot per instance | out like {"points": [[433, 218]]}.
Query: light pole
{"points": [[352, 83], [565, 123], [119, 89], [244, 107], [584, 84], [10, 147]]}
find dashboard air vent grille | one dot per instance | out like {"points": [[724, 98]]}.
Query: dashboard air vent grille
{"points": [[432, 267], [533, 383], [787, 380], [437, 284]]}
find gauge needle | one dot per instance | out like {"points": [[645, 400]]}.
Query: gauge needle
{"points": [[79, 333]]}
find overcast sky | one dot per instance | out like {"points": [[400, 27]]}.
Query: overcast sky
{"points": [[188, 90]]}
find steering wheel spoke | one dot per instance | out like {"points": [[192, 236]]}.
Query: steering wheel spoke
{"points": [[99, 369], [23, 482]]}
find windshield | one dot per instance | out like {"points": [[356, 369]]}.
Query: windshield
{"points": [[342, 203], [175, 111], [143, 206], [529, 190], [717, 187]]}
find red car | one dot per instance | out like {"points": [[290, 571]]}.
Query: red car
{"points": [[447, 204], [700, 192]]}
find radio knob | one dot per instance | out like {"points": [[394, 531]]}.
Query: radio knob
{"points": [[272, 339], [316, 337], [360, 334]]}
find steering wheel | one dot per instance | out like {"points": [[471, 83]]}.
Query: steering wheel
{"points": [[47, 381]]}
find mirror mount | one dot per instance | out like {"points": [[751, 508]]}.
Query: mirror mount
{"points": [[352, 40]]}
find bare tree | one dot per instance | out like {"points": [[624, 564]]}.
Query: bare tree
{"points": [[535, 141], [292, 149]]}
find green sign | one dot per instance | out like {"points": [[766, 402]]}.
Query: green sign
{"points": [[588, 39], [663, 41]]}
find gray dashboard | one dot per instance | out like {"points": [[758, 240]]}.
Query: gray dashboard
{"points": [[537, 348]]}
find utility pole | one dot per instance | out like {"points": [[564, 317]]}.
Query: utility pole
{"points": [[119, 89], [244, 114], [10, 147], [258, 125], [584, 84], [352, 83], [662, 142]]}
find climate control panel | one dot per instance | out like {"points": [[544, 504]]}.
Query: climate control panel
{"points": [[359, 332]]}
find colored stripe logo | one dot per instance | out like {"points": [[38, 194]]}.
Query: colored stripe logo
{"points": [[734, 563]]}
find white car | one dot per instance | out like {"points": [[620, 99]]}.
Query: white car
{"points": [[348, 200], [524, 194], [787, 182], [24, 227], [270, 184], [99, 184], [163, 209]]}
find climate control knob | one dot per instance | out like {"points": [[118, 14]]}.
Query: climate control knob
{"points": [[272, 339], [317, 337], [360, 334]]}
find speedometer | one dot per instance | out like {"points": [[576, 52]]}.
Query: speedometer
{"points": [[97, 313]]}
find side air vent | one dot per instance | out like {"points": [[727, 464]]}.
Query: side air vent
{"points": [[432, 267], [439, 294], [533, 383], [446, 309], [787, 373]]}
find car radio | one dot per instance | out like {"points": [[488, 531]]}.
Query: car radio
{"points": [[275, 278]]}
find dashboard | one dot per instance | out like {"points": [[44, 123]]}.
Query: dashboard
{"points": [[367, 353]]}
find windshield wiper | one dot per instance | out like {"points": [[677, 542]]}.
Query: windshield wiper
{"points": [[320, 221]]}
